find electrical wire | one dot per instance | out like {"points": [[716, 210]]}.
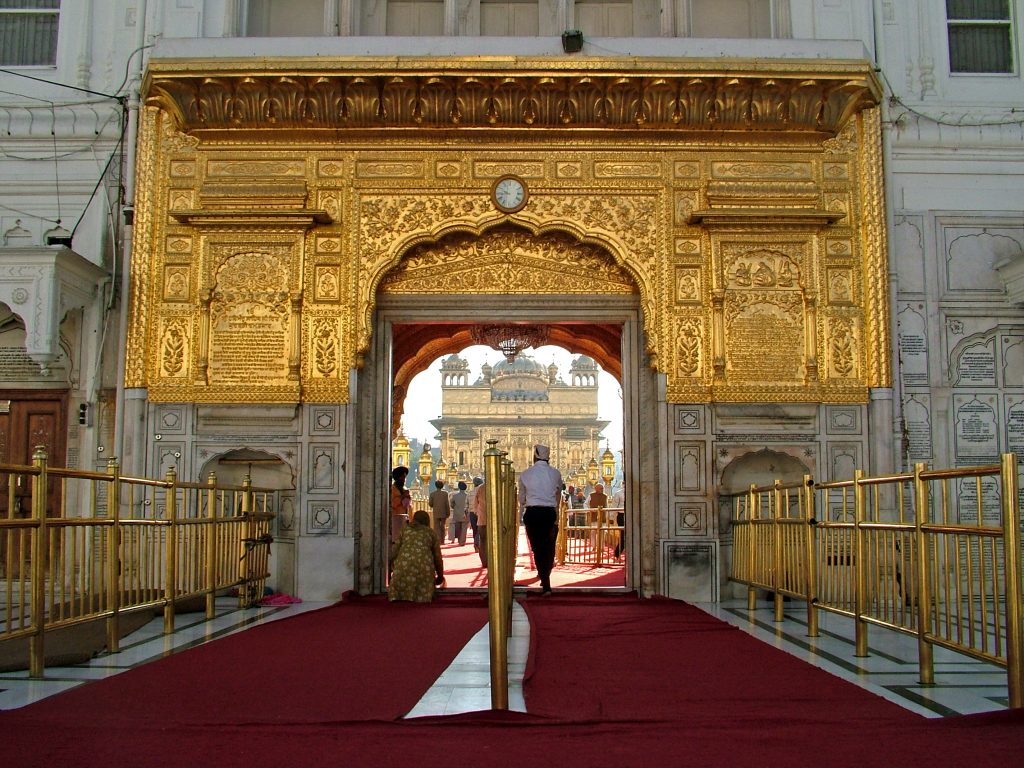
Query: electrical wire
{"points": [[15, 73], [30, 215], [115, 153]]}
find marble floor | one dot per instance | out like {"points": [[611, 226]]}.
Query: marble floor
{"points": [[963, 686]]}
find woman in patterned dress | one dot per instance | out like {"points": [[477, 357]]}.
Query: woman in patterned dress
{"points": [[418, 565]]}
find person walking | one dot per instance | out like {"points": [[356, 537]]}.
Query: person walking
{"points": [[440, 508], [400, 504], [539, 489], [478, 508], [477, 482], [460, 514]]}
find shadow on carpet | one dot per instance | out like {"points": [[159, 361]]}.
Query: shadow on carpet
{"points": [[78, 643]]}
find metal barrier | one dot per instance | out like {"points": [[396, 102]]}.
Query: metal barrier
{"points": [[502, 543], [933, 553], [122, 543], [589, 536]]}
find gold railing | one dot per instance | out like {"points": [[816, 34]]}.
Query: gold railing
{"points": [[589, 536], [933, 553], [502, 544], [113, 543]]}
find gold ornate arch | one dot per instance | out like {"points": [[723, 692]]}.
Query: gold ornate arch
{"points": [[503, 261], [613, 235], [742, 200]]}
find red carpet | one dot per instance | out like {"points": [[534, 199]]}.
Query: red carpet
{"points": [[295, 670], [463, 570], [617, 682], [732, 699]]}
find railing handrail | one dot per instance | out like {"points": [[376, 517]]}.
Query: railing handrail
{"points": [[954, 583], [68, 569]]}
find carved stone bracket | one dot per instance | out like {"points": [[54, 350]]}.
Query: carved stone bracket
{"points": [[40, 285]]}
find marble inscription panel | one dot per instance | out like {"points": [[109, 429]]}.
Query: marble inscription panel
{"points": [[977, 435]]}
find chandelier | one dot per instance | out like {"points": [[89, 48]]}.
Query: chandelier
{"points": [[510, 340]]}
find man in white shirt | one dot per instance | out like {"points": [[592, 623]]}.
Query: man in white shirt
{"points": [[540, 487]]}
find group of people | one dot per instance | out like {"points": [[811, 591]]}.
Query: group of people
{"points": [[416, 566]]}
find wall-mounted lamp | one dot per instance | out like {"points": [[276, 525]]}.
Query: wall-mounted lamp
{"points": [[572, 41]]}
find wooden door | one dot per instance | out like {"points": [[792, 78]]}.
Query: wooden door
{"points": [[29, 419]]}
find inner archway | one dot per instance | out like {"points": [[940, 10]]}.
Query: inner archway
{"points": [[545, 395], [426, 308]]}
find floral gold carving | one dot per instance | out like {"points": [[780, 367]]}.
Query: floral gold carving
{"points": [[448, 170], [255, 168], [687, 285], [173, 349], [761, 170], [176, 283], [508, 261], [325, 348], [383, 169], [328, 283], [843, 348], [688, 347], [569, 170], [627, 170], [491, 170]]}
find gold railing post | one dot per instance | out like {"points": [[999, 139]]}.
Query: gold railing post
{"points": [[811, 571], [170, 548], [860, 568], [114, 557], [600, 536], [563, 520], [752, 538], [245, 598], [1012, 566], [37, 654], [511, 536], [212, 536], [926, 667], [495, 567], [777, 559]]}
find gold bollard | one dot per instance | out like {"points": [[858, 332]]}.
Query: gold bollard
{"points": [[114, 557], [171, 549], [495, 567], [37, 656], [1012, 567]]}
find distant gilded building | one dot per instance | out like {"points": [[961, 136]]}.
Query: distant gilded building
{"points": [[520, 404]]}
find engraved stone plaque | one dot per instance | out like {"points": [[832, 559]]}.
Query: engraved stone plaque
{"points": [[977, 438], [765, 340], [917, 418], [913, 346], [1015, 425], [975, 365], [249, 320]]}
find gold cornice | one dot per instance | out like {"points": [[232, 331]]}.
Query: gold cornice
{"points": [[777, 96]]}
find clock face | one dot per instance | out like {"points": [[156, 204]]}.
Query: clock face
{"points": [[509, 194]]}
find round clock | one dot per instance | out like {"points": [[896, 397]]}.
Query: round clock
{"points": [[509, 194]]}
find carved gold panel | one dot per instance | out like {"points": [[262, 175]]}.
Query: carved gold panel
{"points": [[742, 206]]}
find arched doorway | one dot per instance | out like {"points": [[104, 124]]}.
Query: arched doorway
{"points": [[265, 470], [427, 307]]}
